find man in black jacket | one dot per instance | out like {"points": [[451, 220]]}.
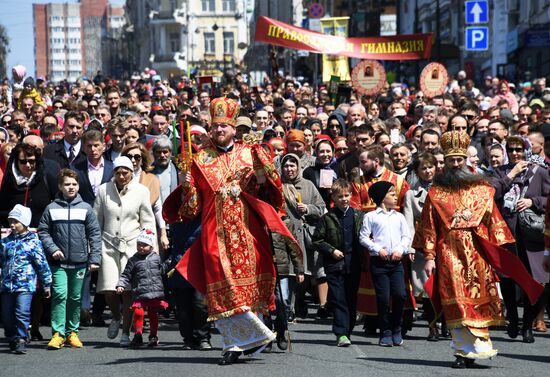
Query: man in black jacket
{"points": [[68, 151]]}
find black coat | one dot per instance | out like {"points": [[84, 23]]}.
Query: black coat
{"points": [[538, 184], [57, 153], [144, 272], [39, 194], [86, 191]]}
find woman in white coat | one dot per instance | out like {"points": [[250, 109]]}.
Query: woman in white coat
{"points": [[123, 209]]}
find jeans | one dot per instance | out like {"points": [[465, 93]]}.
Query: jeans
{"points": [[282, 308], [343, 297], [389, 282], [16, 314], [66, 299]]}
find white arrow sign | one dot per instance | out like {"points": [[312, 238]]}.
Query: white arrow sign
{"points": [[476, 11]]}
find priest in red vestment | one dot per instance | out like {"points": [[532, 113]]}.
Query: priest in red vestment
{"points": [[460, 233], [235, 189]]}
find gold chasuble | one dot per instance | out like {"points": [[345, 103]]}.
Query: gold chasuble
{"points": [[447, 232]]}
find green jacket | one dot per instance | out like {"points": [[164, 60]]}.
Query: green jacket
{"points": [[328, 237]]}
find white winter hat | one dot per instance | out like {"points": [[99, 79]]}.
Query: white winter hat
{"points": [[146, 236], [123, 162], [22, 214]]}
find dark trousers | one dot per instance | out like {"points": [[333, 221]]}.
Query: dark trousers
{"points": [[389, 283], [342, 295], [192, 314]]}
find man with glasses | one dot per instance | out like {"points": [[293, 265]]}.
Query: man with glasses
{"points": [[524, 114], [68, 151], [204, 100]]}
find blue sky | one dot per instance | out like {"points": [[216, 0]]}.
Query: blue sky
{"points": [[17, 19]]}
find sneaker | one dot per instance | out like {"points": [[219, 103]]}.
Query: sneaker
{"points": [[114, 327], [74, 341], [137, 341], [343, 341], [21, 347], [56, 342], [153, 341], [397, 339], [125, 340], [35, 335], [386, 339], [205, 345]]}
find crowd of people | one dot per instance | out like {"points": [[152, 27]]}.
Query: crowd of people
{"points": [[253, 206]]}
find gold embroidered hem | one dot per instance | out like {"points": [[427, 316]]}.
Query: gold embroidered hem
{"points": [[470, 346], [242, 332], [475, 323]]}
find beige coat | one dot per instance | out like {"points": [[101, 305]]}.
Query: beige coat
{"points": [[121, 216]]}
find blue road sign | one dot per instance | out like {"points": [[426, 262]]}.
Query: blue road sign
{"points": [[477, 12], [477, 38]]}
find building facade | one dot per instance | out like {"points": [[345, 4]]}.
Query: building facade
{"points": [[184, 36], [68, 37]]}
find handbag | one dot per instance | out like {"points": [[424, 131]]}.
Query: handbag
{"points": [[530, 222], [531, 225]]}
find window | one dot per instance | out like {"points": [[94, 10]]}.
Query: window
{"points": [[208, 5], [228, 43], [228, 5], [209, 43], [174, 42]]}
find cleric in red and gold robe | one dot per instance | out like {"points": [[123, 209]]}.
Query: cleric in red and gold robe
{"points": [[371, 163], [231, 262], [460, 232]]}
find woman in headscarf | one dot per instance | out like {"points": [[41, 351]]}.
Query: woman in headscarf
{"points": [[304, 206]]}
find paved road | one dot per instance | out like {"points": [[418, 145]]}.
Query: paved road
{"points": [[313, 354]]}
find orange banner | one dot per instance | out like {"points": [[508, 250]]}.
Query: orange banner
{"points": [[398, 47]]}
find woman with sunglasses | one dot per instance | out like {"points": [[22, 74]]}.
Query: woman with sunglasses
{"points": [[143, 164], [521, 184]]}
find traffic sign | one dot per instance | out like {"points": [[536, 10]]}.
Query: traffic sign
{"points": [[477, 38], [316, 10], [477, 12]]}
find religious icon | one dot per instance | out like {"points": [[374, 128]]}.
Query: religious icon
{"points": [[435, 74], [368, 71]]}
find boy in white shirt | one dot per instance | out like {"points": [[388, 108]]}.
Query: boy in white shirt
{"points": [[386, 236]]}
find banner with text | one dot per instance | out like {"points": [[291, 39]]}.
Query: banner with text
{"points": [[334, 65], [397, 47]]}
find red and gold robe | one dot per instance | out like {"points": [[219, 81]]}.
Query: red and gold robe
{"points": [[231, 261], [451, 230], [366, 295]]}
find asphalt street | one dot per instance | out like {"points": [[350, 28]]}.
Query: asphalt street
{"points": [[313, 354]]}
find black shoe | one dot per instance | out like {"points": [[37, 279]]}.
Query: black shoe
{"points": [[527, 335], [512, 329], [322, 313], [137, 341], [35, 335], [189, 345], [205, 345], [292, 318], [460, 363], [433, 336], [21, 347], [282, 343], [268, 348], [13, 345], [230, 357], [153, 341]]}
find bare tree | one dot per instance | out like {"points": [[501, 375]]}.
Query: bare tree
{"points": [[4, 49]]}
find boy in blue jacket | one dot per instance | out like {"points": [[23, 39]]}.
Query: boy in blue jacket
{"points": [[21, 257]]}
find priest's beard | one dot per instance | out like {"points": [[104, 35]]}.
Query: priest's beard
{"points": [[457, 178]]}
